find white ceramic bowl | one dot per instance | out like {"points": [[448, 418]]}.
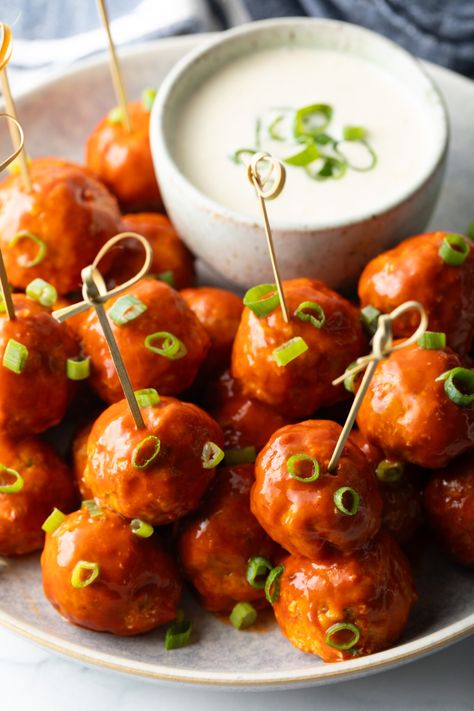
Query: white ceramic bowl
{"points": [[232, 243]]}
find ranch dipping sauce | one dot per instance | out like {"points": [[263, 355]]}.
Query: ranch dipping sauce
{"points": [[222, 114]]}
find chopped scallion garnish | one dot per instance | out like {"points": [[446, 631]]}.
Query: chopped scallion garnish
{"points": [[296, 467], [317, 320], [171, 346], [354, 133], [78, 368], [347, 500], [10, 487], [258, 569], [349, 380], [148, 397], [290, 350], [116, 115], [212, 455], [126, 308], [141, 528], [42, 292], [148, 97], [146, 452], [389, 472], [459, 386], [243, 615], [311, 120], [54, 520], [15, 356], [454, 250], [272, 584], [92, 570], [92, 507], [432, 340], [42, 247], [370, 316], [167, 277], [303, 156], [337, 629], [178, 634], [262, 299]]}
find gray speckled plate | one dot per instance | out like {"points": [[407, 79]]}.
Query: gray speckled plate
{"points": [[57, 117]]}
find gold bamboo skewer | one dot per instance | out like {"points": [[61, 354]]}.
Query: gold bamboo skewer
{"points": [[115, 68]]}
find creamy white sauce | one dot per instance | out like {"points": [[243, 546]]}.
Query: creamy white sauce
{"points": [[220, 117]]}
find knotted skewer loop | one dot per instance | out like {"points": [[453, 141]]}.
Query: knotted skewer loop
{"points": [[95, 294], [382, 346], [274, 179]]}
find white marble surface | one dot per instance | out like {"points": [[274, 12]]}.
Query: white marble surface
{"points": [[32, 678]]}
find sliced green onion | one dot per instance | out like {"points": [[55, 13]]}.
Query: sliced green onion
{"points": [[42, 247], [146, 452], [148, 97], [243, 615], [323, 139], [171, 348], [313, 119], [432, 340], [354, 133], [331, 168], [15, 356], [236, 157], [78, 368], [372, 156], [41, 291], [370, 317], [262, 299], [454, 250], [342, 494], [84, 566], [126, 308], [167, 277], [54, 520], [258, 569], [240, 455], [389, 472], [470, 230], [306, 155], [292, 464], [290, 350], [92, 507], [311, 306], [14, 486], [148, 397], [116, 115], [342, 627], [140, 528], [272, 128], [212, 455], [349, 380], [459, 386], [178, 634], [272, 584]]}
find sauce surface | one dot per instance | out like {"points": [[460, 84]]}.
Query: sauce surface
{"points": [[221, 115]]}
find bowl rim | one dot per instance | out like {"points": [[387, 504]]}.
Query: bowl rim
{"points": [[160, 149]]}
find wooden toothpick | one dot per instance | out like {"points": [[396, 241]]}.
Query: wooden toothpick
{"points": [[15, 134], [115, 68], [278, 175], [95, 295], [381, 348]]}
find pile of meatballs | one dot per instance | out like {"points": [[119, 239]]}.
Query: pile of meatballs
{"points": [[227, 487]]}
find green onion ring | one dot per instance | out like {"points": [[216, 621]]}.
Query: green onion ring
{"points": [[54, 520], [167, 277], [42, 292], [258, 569], [304, 156], [141, 528], [290, 350], [236, 157], [42, 247], [306, 112], [77, 581], [147, 397], [314, 320], [464, 377], [15, 356], [354, 133], [262, 299], [339, 502], [178, 634], [272, 584], [339, 627], [172, 348], [454, 250], [78, 368], [93, 508], [126, 308], [370, 316], [389, 472], [349, 380], [240, 455], [331, 168], [291, 463], [360, 169], [211, 456], [15, 486], [432, 340], [243, 615], [151, 439], [148, 97]]}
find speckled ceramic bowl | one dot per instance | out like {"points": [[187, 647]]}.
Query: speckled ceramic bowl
{"points": [[335, 252]]}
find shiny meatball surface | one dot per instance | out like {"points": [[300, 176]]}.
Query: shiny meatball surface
{"points": [[68, 209], [166, 312], [297, 389], [47, 483], [407, 413], [137, 587], [371, 590], [36, 398], [79, 460], [171, 258], [216, 544], [160, 480], [449, 504], [122, 159], [302, 515], [415, 270]]}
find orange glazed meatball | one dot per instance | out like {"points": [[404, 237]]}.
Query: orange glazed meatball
{"points": [[449, 505], [157, 474], [161, 341], [303, 506], [219, 311], [33, 480], [346, 605], [299, 388], [100, 575], [35, 394], [415, 269], [172, 261], [408, 413], [122, 159], [216, 544], [79, 459], [246, 422], [56, 229]]}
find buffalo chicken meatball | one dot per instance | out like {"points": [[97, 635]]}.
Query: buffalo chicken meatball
{"points": [[34, 388], [172, 261], [346, 605], [161, 341], [216, 544], [416, 269], [408, 410], [157, 474], [122, 159], [55, 230], [331, 330], [219, 311], [100, 575], [33, 481], [449, 504], [303, 506]]}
